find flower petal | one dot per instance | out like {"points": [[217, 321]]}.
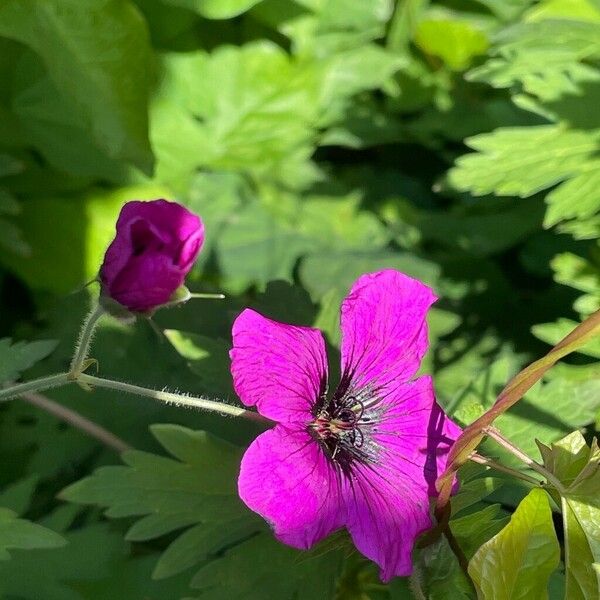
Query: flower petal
{"points": [[146, 282], [414, 428], [285, 477], [281, 369], [384, 332], [389, 506]]}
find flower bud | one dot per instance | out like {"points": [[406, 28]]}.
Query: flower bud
{"points": [[154, 249]]}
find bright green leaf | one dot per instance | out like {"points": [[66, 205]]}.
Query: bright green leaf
{"points": [[216, 9], [516, 564], [521, 161], [578, 467], [455, 42]]}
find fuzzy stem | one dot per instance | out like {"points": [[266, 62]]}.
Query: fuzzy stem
{"points": [[488, 462], [85, 340], [171, 398], [42, 383], [76, 420], [532, 464]]}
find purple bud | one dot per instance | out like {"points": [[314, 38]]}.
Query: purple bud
{"points": [[154, 249]]}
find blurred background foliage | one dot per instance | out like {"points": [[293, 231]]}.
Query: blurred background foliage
{"points": [[454, 140]]}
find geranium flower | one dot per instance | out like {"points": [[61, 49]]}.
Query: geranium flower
{"points": [[155, 246], [364, 457]]}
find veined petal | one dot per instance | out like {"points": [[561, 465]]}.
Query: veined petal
{"points": [[414, 429], [286, 478], [384, 332], [389, 504], [281, 369]]}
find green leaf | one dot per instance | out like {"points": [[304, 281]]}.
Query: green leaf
{"points": [[577, 466], [552, 333], [260, 563], [264, 240], [257, 110], [17, 496], [47, 117], [20, 356], [521, 161], [516, 564], [481, 234], [321, 272], [196, 489], [548, 58], [25, 535], [577, 198], [216, 9], [97, 53], [91, 554], [438, 576], [473, 530], [455, 42]]}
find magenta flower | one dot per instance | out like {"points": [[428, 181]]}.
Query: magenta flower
{"points": [[154, 249], [364, 457]]}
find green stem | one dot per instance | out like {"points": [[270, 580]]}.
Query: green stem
{"points": [[532, 464], [171, 398], [37, 385], [488, 462], [207, 296], [85, 340]]}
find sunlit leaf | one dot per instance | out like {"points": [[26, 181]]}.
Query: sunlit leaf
{"points": [[517, 562]]}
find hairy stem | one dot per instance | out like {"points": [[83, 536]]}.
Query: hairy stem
{"points": [[36, 385], [488, 462], [76, 420], [493, 433], [85, 340], [171, 398]]}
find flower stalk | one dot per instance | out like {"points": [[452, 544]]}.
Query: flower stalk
{"points": [[36, 385], [171, 398], [492, 464], [84, 343], [493, 433]]}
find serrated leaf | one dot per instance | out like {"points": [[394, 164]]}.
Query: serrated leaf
{"points": [[97, 53], [18, 533], [516, 564], [520, 161], [547, 58], [20, 356], [197, 489]]}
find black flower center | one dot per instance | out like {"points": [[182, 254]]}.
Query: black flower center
{"points": [[343, 426]]}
